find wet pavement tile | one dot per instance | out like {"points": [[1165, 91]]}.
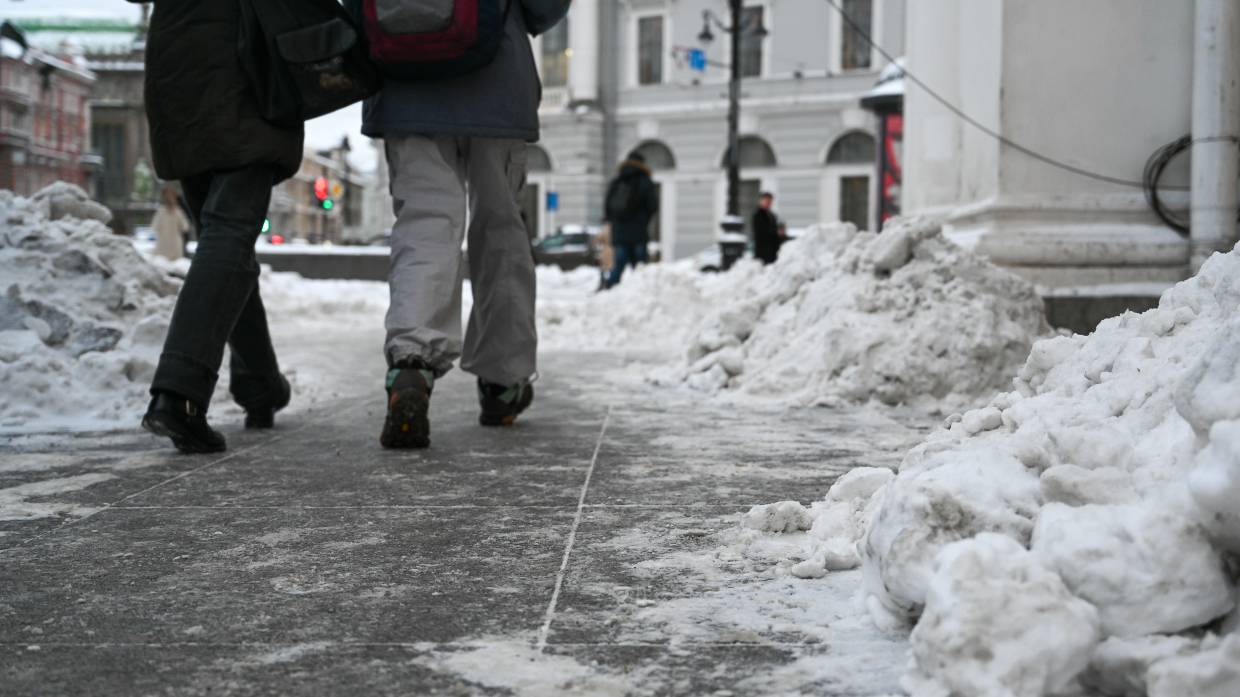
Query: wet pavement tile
{"points": [[242, 575]]}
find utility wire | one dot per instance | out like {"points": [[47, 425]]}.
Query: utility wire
{"points": [[1000, 137]]}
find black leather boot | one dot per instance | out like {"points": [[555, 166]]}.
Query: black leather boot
{"points": [[178, 418], [260, 412]]}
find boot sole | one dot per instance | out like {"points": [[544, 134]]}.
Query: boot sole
{"points": [[501, 420], [260, 420], [506, 420], [407, 425], [180, 440]]}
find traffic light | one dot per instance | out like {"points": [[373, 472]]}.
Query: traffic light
{"points": [[322, 192]]}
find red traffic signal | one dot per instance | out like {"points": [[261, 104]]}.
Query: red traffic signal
{"points": [[321, 188]]}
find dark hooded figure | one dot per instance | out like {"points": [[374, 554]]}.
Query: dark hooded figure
{"points": [[632, 201], [206, 132], [768, 232]]}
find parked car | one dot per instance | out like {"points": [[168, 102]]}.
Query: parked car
{"points": [[569, 247]]}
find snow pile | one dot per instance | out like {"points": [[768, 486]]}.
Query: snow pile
{"points": [[653, 311], [990, 576], [1100, 498], [82, 315], [835, 524], [847, 316]]}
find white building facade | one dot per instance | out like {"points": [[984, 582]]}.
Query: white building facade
{"points": [[618, 78], [1096, 85]]}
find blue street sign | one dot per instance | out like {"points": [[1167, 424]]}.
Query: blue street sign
{"points": [[553, 201], [697, 60]]}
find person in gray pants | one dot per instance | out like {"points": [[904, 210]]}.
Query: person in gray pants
{"points": [[456, 151]]}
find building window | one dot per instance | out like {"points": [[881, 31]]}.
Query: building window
{"points": [[555, 55], [854, 48], [658, 156], [650, 50], [855, 201], [109, 142], [852, 149], [754, 153], [752, 38]]}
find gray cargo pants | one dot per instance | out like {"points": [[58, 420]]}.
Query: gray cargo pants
{"points": [[435, 181]]}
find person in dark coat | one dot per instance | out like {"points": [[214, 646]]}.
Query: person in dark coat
{"points": [[632, 202], [768, 232], [206, 132]]}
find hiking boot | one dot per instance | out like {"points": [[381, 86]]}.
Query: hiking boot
{"points": [[407, 424], [502, 403], [260, 412], [178, 418]]}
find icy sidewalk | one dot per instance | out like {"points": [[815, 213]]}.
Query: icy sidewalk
{"points": [[592, 550]]}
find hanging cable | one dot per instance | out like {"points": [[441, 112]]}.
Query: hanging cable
{"points": [[1154, 169]]}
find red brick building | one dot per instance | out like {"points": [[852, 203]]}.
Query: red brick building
{"points": [[44, 120]]}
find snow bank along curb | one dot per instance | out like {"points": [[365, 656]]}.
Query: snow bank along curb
{"points": [[82, 315], [1079, 530], [1065, 532], [846, 316]]}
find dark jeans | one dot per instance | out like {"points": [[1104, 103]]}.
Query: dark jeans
{"points": [[219, 303], [626, 255]]}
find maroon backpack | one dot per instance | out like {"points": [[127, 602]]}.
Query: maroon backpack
{"points": [[421, 39]]}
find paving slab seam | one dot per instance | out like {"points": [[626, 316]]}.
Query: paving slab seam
{"points": [[421, 645], [182, 475], [380, 507], [572, 537], [438, 507]]}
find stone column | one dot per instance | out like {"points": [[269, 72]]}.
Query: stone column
{"points": [[583, 40], [1216, 115]]}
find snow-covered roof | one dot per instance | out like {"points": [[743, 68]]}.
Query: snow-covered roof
{"points": [[890, 80], [10, 48], [117, 66], [110, 41]]}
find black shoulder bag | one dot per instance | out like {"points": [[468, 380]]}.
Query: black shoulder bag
{"points": [[303, 59]]}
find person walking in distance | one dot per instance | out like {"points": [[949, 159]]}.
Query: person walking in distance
{"points": [[170, 225], [206, 132], [456, 149], [631, 202], [769, 233]]}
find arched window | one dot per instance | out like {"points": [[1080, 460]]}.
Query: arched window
{"points": [[537, 159], [755, 152], [850, 171], [658, 156], [854, 148]]}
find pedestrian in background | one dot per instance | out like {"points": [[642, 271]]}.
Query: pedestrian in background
{"points": [[206, 132], [605, 254], [170, 224], [455, 144], [769, 233], [631, 203]]}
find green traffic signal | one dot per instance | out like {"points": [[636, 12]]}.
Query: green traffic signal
{"points": [[266, 225], [328, 205]]}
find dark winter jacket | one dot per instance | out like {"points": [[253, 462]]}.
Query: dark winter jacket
{"points": [[766, 237], [634, 228], [500, 100], [202, 113]]}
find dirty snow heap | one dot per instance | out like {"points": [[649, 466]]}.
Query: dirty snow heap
{"points": [[1077, 530], [905, 316], [82, 314]]}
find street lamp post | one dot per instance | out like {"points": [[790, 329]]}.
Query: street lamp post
{"points": [[734, 113], [731, 241]]}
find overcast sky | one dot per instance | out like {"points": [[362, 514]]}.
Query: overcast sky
{"points": [[320, 133]]}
